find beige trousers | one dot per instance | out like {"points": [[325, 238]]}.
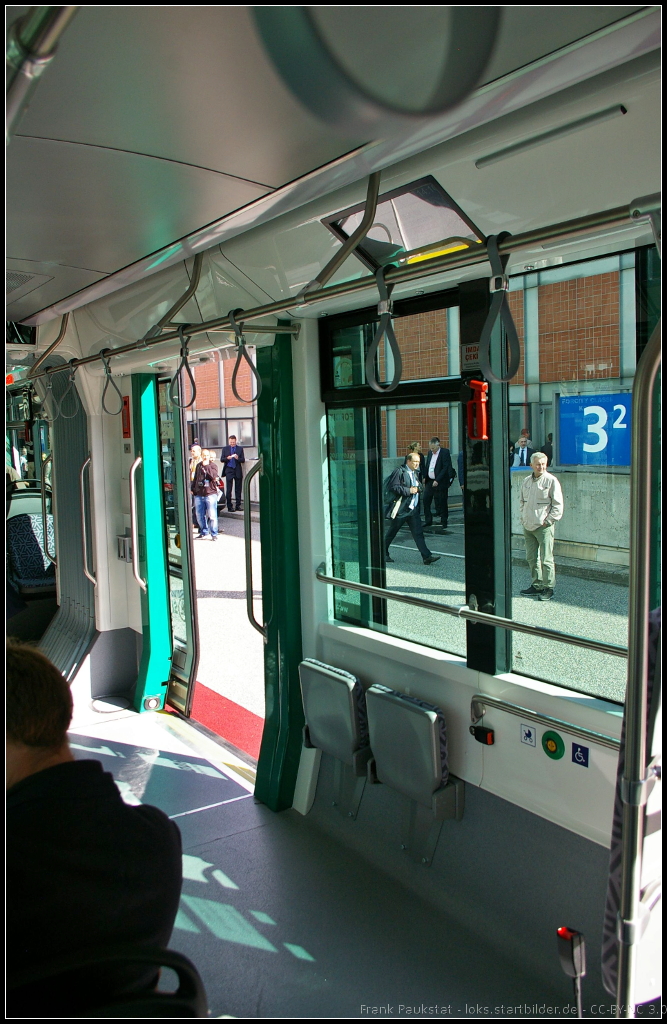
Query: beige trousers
{"points": [[540, 556]]}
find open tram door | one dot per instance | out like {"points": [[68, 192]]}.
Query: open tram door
{"points": [[160, 548], [163, 565]]}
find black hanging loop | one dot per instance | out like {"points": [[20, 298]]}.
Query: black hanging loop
{"points": [[499, 286], [242, 353], [385, 329], [70, 387], [183, 365], [104, 356]]}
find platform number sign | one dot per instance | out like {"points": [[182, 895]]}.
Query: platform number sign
{"points": [[595, 430]]}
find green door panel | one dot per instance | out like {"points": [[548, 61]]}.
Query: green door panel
{"points": [[282, 738], [155, 666]]}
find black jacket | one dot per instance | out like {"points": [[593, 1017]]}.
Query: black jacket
{"points": [[205, 480], [84, 871], [397, 488], [233, 466], [444, 471]]}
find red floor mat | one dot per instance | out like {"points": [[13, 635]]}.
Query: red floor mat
{"points": [[233, 723]]}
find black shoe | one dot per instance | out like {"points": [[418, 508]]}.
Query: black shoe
{"points": [[531, 591], [546, 594], [431, 559], [428, 524], [239, 509], [388, 558]]}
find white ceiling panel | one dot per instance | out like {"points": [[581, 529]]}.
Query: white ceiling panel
{"points": [[100, 210], [184, 83], [51, 280]]}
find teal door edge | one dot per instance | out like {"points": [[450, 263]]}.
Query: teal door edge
{"points": [[280, 751], [155, 665]]}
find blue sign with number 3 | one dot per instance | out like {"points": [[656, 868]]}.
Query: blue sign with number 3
{"points": [[595, 430]]}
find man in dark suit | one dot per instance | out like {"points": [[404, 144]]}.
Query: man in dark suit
{"points": [[523, 453], [232, 459], [85, 871], [438, 476], [404, 492]]}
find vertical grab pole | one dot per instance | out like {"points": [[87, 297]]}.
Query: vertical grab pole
{"points": [[47, 460], [84, 533], [133, 524], [633, 782], [247, 534]]}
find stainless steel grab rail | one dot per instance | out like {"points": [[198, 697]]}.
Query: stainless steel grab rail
{"points": [[134, 533], [464, 612], [480, 701], [634, 788], [52, 558], [620, 216], [84, 533], [247, 536]]}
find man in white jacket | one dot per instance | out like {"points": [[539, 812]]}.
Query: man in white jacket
{"points": [[541, 505]]}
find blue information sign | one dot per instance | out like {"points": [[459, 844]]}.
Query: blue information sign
{"points": [[595, 430]]}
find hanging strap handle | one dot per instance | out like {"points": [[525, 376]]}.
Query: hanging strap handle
{"points": [[183, 365], [51, 406], [499, 286], [104, 356], [70, 387], [242, 353], [385, 328]]}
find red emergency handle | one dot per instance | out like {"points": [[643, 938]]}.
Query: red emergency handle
{"points": [[477, 411]]}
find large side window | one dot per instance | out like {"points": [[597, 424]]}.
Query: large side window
{"points": [[369, 439], [572, 401]]}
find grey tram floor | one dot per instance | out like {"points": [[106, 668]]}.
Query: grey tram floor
{"points": [[284, 919]]}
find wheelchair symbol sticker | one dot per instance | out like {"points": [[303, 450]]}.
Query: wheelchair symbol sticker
{"points": [[580, 755], [528, 734]]}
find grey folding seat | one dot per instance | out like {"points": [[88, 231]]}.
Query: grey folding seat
{"points": [[336, 722], [408, 737]]}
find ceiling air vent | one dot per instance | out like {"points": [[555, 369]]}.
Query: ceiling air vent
{"points": [[16, 280], [20, 283]]}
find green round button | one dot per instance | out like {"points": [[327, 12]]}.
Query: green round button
{"points": [[553, 745]]}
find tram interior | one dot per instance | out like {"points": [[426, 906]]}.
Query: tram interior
{"points": [[170, 169]]}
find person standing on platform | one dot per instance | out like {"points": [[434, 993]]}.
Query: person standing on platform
{"points": [[417, 448], [438, 476], [523, 453], [548, 448], [205, 489], [233, 459], [404, 492], [195, 459], [541, 506]]}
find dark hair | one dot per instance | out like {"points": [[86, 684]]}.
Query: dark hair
{"points": [[434, 439], [39, 701], [232, 436]]}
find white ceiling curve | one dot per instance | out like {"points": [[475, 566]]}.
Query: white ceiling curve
{"points": [[160, 131]]}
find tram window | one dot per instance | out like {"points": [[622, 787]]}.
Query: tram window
{"points": [[365, 446], [428, 342], [572, 399]]}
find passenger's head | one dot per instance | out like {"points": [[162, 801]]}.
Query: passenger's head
{"points": [[211, 453], [415, 447], [413, 460], [525, 432], [523, 441], [538, 461], [550, 437], [434, 444], [232, 440], [195, 451], [39, 711]]}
